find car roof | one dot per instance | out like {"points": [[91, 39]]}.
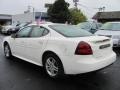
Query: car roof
{"points": [[40, 23], [45, 24]]}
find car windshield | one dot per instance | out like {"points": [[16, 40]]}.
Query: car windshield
{"points": [[111, 26], [70, 31]]}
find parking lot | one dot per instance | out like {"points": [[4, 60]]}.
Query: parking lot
{"points": [[17, 74]]}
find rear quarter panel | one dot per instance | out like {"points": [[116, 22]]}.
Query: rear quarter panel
{"points": [[61, 46]]}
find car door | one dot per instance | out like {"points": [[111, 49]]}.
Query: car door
{"points": [[37, 42], [19, 44]]}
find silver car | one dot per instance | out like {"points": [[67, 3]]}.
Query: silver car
{"points": [[111, 30], [6, 28], [90, 26]]}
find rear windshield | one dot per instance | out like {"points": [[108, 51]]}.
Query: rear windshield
{"points": [[111, 26], [70, 30], [85, 25]]}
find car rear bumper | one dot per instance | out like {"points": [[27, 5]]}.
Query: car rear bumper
{"points": [[87, 64]]}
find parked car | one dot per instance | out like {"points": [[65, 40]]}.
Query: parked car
{"points": [[60, 48], [92, 26], [111, 30], [6, 28], [16, 28]]}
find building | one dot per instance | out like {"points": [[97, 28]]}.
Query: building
{"points": [[107, 16], [5, 19], [29, 17]]}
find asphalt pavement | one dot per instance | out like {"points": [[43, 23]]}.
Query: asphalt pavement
{"points": [[16, 74]]}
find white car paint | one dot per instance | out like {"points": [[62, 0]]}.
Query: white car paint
{"points": [[32, 49]]}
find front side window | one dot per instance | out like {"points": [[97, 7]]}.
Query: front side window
{"points": [[24, 32]]}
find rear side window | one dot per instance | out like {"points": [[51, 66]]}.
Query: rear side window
{"points": [[70, 30], [38, 31]]}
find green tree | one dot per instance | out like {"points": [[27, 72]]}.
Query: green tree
{"points": [[59, 12], [77, 16]]}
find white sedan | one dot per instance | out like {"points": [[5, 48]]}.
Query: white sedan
{"points": [[60, 49]]}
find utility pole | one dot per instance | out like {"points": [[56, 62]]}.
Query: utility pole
{"points": [[101, 9], [76, 3], [29, 7]]}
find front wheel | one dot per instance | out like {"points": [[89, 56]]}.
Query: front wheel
{"points": [[7, 51], [53, 66]]}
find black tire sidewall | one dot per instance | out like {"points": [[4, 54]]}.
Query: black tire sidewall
{"points": [[10, 54]]}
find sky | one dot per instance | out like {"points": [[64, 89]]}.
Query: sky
{"points": [[88, 7]]}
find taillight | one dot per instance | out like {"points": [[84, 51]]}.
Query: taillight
{"points": [[83, 48]]}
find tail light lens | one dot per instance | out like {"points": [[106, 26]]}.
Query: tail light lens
{"points": [[83, 48]]}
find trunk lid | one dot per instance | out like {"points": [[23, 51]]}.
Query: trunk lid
{"points": [[101, 46]]}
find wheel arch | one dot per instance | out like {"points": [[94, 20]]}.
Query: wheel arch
{"points": [[5, 43], [50, 52]]}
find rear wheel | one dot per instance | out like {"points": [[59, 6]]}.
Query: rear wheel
{"points": [[53, 66], [7, 51]]}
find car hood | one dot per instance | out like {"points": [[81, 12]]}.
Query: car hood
{"points": [[107, 32]]}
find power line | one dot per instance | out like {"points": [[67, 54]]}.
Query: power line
{"points": [[100, 8], [76, 3]]}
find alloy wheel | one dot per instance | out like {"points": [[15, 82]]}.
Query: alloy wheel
{"points": [[7, 51], [51, 66]]}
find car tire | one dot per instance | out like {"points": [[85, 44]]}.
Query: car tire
{"points": [[53, 66], [7, 51]]}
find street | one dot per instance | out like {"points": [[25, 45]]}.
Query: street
{"points": [[17, 74]]}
